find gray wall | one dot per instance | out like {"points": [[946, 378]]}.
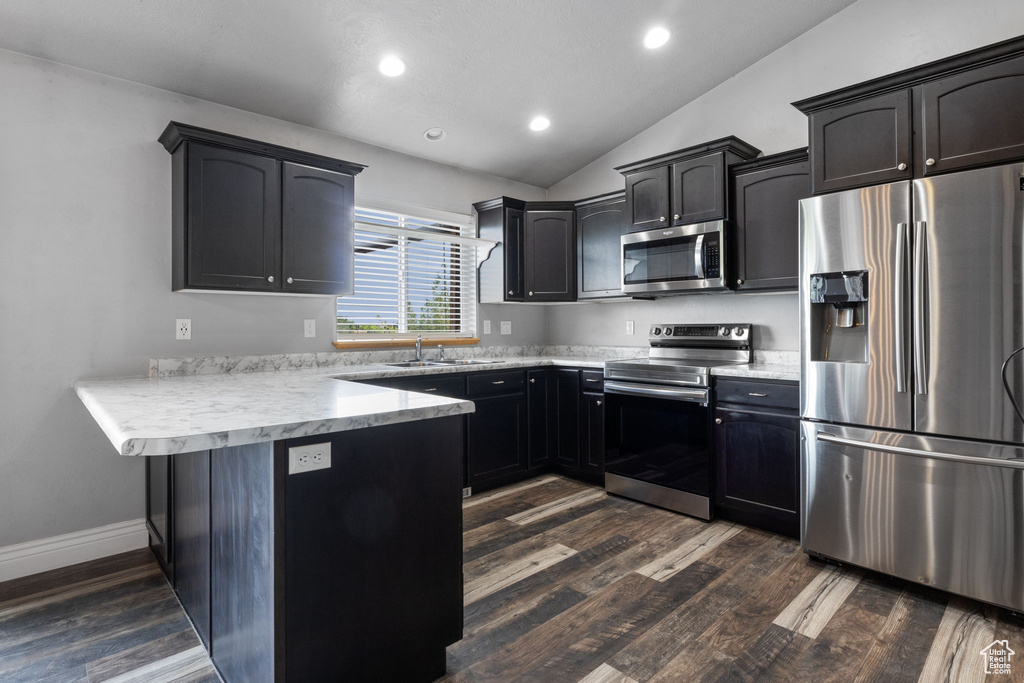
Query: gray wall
{"points": [[85, 211], [870, 38]]}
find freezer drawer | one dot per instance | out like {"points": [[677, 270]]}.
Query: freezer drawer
{"points": [[942, 512]]}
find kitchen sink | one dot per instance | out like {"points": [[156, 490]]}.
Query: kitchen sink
{"points": [[416, 364], [466, 361]]}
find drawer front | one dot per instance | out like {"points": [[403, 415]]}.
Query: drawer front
{"points": [[443, 385], [784, 395], [592, 380], [494, 383]]}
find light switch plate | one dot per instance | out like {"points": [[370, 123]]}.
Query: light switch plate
{"points": [[309, 327], [506, 327], [487, 327], [315, 456], [630, 327]]}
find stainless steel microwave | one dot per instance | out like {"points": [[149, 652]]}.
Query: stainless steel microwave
{"points": [[688, 258]]}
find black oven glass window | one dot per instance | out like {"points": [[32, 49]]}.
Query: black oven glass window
{"points": [[660, 261]]}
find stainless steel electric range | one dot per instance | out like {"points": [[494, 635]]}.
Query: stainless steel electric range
{"points": [[658, 427]]}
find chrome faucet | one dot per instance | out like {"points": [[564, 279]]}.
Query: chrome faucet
{"points": [[440, 351], [419, 348]]}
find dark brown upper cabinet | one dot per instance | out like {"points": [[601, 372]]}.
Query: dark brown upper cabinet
{"points": [[550, 273], [648, 199], [955, 113], [535, 260], [501, 275], [863, 143], [600, 223], [698, 189], [972, 118], [766, 193], [682, 187], [255, 217]]}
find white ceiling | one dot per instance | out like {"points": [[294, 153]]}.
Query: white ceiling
{"points": [[480, 69]]}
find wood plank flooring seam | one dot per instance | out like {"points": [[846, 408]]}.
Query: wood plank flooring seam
{"points": [[678, 559], [473, 501], [818, 602], [515, 571], [607, 674], [556, 506]]}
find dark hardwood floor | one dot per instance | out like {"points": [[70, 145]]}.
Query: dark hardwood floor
{"points": [[564, 583]]}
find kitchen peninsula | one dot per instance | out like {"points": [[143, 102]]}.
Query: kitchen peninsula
{"points": [[290, 574]]}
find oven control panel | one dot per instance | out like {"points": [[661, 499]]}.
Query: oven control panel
{"points": [[721, 332]]}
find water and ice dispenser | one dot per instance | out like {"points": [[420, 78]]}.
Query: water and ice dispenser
{"points": [[839, 316]]}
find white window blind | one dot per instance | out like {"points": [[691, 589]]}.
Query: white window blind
{"points": [[413, 276]]}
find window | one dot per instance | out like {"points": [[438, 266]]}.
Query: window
{"points": [[413, 276]]}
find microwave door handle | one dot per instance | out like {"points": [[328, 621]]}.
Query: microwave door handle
{"points": [[698, 258]]}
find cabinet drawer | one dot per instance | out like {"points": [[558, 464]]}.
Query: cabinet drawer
{"points": [[442, 385], [592, 380], [785, 395], [493, 383]]}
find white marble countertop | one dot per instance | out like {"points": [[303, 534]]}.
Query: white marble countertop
{"points": [[160, 416]]}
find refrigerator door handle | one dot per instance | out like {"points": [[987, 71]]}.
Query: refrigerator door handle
{"points": [[1013, 463], [920, 316], [899, 300]]}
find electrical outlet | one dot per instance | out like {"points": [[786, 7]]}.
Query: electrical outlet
{"points": [[183, 328], [487, 327], [506, 327], [310, 327], [630, 327], [315, 456]]}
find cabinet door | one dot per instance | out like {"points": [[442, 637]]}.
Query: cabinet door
{"points": [[159, 491], [550, 256], [698, 189], [192, 538], [592, 435], [495, 438], [972, 118], [318, 224], [541, 422], [515, 265], [567, 402], [863, 143], [598, 229], [767, 221], [758, 468], [647, 202], [234, 219]]}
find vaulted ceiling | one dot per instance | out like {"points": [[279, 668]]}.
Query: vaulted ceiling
{"points": [[479, 69]]}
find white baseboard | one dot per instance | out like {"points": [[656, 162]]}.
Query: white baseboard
{"points": [[25, 559]]}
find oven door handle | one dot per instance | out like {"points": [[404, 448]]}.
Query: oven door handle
{"points": [[657, 391]]}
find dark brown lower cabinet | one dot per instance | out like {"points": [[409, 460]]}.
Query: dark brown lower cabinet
{"points": [[496, 440], [592, 437], [539, 397], [567, 419], [297, 577], [757, 454]]}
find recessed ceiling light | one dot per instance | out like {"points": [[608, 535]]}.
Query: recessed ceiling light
{"points": [[434, 134], [656, 37], [392, 66], [539, 123]]}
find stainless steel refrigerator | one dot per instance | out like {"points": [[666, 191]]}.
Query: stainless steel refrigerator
{"points": [[911, 300]]}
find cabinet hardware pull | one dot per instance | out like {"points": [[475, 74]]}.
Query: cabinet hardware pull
{"points": [[597, 402], [531, 293], [533, 380], [758, 395], [901, 166], [662, 219], [431, 389], [929, 162], [289, 280], [591, 379], [270, 279], [510, 292], [718, 420], [739, 282], [500, 381]]}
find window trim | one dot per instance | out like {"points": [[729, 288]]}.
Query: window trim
{"points": [[467, 238]]}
